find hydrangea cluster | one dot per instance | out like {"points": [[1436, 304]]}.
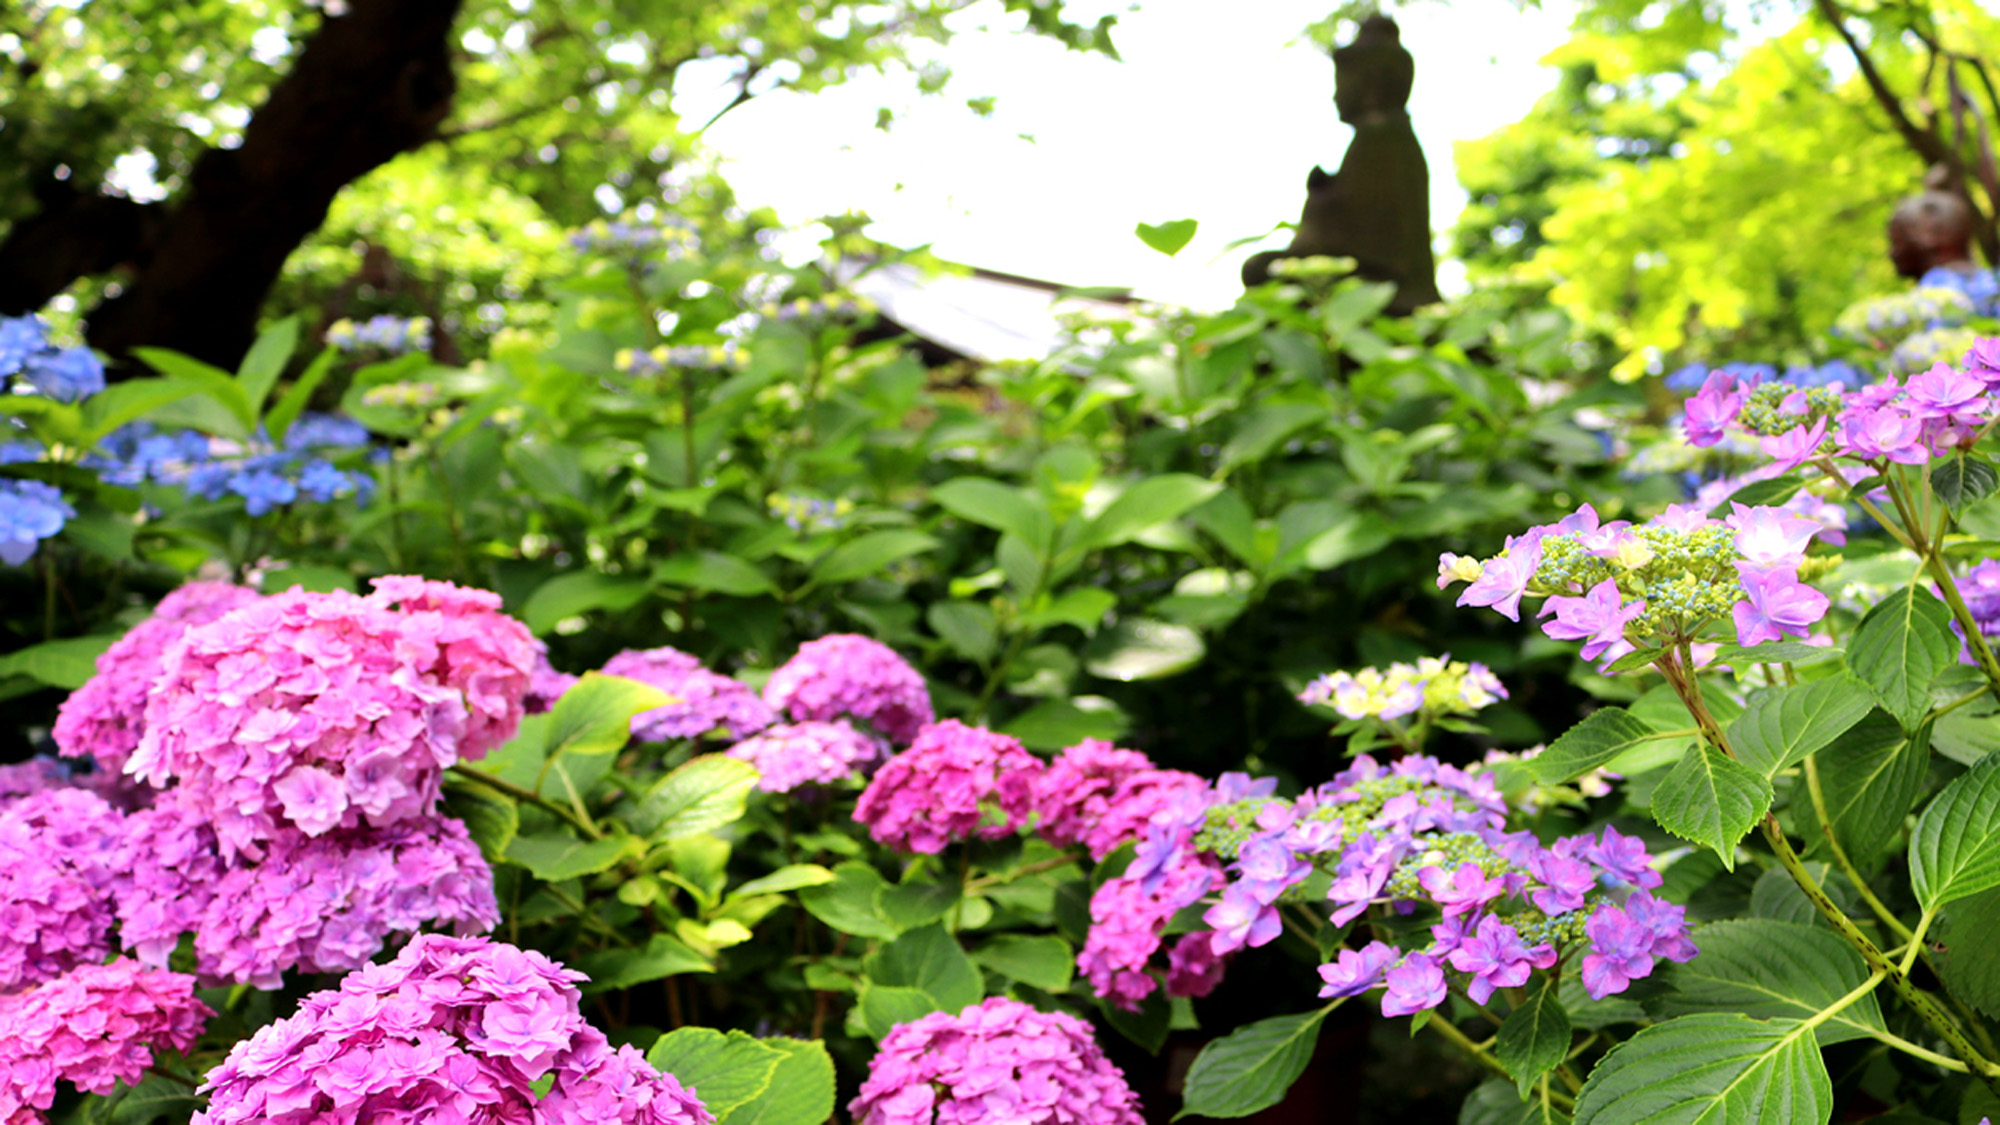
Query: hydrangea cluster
{"points": [[1615, 586], [1435, 685], [451, 1030], [791, 755], [386, 333], [955, 782], [625, 238], [1920, 350], [844, 674], [683, 357], [996, 1061], [63, 374], [321, 711], [94, 1027], [30, 511], [57, 865], [703, 700], [1099, 796], [1881, 319], [1939, 410], [102, 720], [1130, 913], [263, 474], [810, 513]]}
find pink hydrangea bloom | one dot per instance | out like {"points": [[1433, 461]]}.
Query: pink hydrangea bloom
{"points": [[847, 674], [104, 718], [1129, 914], [95, 1026], [945, 785], [996, 1061], [36, 775], [703, 700], [1099, 796], [317, 711], [452, 1030], [790, 755], [1193, 966], [57, 859]]}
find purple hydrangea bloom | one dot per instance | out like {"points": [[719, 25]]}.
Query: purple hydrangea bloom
{"points": [[943, 787], [849, 675], [94, 1027], [1496, 957], [1776, 604], [791, 755], [703, 700], [1415, 984], [1598, 619], [1354, 972]]}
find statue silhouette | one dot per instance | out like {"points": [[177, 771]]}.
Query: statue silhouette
{"points": [[1376, 208]]}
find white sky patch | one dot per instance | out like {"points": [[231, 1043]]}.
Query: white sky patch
{"points": [[1216, 119]]}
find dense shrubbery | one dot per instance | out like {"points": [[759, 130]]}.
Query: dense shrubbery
{"points": [[872, 805]]}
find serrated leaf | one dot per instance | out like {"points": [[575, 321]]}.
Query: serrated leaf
{"points": [[1899, 648], [1784, 724], [1961, 480], [156, 1097], [594, 717], [1772, 652], [1534, 1038], [868, 554], [1602, 735], [554, 857], [1955, 848], [1168, 238], [663, 955], [726, 1069], [850, 903], [1712, 800], [795, 877], [1045, 961], [1774, 970], [989, 503], [1250, 1068], [1710, 1070], [490, 816], [699, 796], [1148, 503], [1967, 959], [1869, 777], [930, 960]]}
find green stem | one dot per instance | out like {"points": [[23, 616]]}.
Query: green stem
{"points": [[1919, 1002], [1035, 868], [521, 793], [1924, 1053], [1840, 857], [1485, 1058]]}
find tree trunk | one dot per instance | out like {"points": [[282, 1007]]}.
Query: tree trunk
{"points": [[367, 86]]}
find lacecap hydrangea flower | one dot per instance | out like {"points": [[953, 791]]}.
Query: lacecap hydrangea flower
{"points": [[846, 675], [94, 1027], [102, 719], [63, 374], [1618, 587], [703, 700], [320, 711], [998, 1061], [955, 782], [791, 755], [384, 332], [451, 1030], [1436, 686], [30, 511]]}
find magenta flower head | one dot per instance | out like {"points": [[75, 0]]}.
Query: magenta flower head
{"points": [[953, 783], [315, 711], [1099, 796], [849, 675], [996, 1061], [1776, 605], [791, 755], [58, 860], [1983, 360], [1598, 619], [451, 1030], [94, 1027], [1712, 409], [703, 700], [103, 718], [1946, 392]]}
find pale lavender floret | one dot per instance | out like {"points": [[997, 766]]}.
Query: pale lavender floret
{"points": [[1795, 447], [1465, 890], [703, 700], [1946, 392], [1354, 972], [1415, 984], [998, 1061], [1776, 604], [1624, 858], [791, 755], [845, 674], [1771, 536], [1241, 919], [1598, 619], [1505, 579], [1711, 410]]}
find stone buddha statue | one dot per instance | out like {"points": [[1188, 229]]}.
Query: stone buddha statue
{"points": [[1932, 230], [1376, 208]]}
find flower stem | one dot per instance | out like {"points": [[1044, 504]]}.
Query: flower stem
{"points": [[1485, 1058]]}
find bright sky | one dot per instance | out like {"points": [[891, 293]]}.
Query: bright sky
{"points": [[1210, 116]]}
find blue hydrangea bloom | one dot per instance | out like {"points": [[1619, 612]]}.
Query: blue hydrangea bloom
{"points": [[21, 337], [325, 431], [262, 489], [30, 511], [69, 375]]}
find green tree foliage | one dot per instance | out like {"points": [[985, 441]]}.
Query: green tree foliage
{"points": [[486, 135], [1690, 196]]}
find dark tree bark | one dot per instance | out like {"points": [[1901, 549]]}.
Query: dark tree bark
{"points": [[370, 85]]}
